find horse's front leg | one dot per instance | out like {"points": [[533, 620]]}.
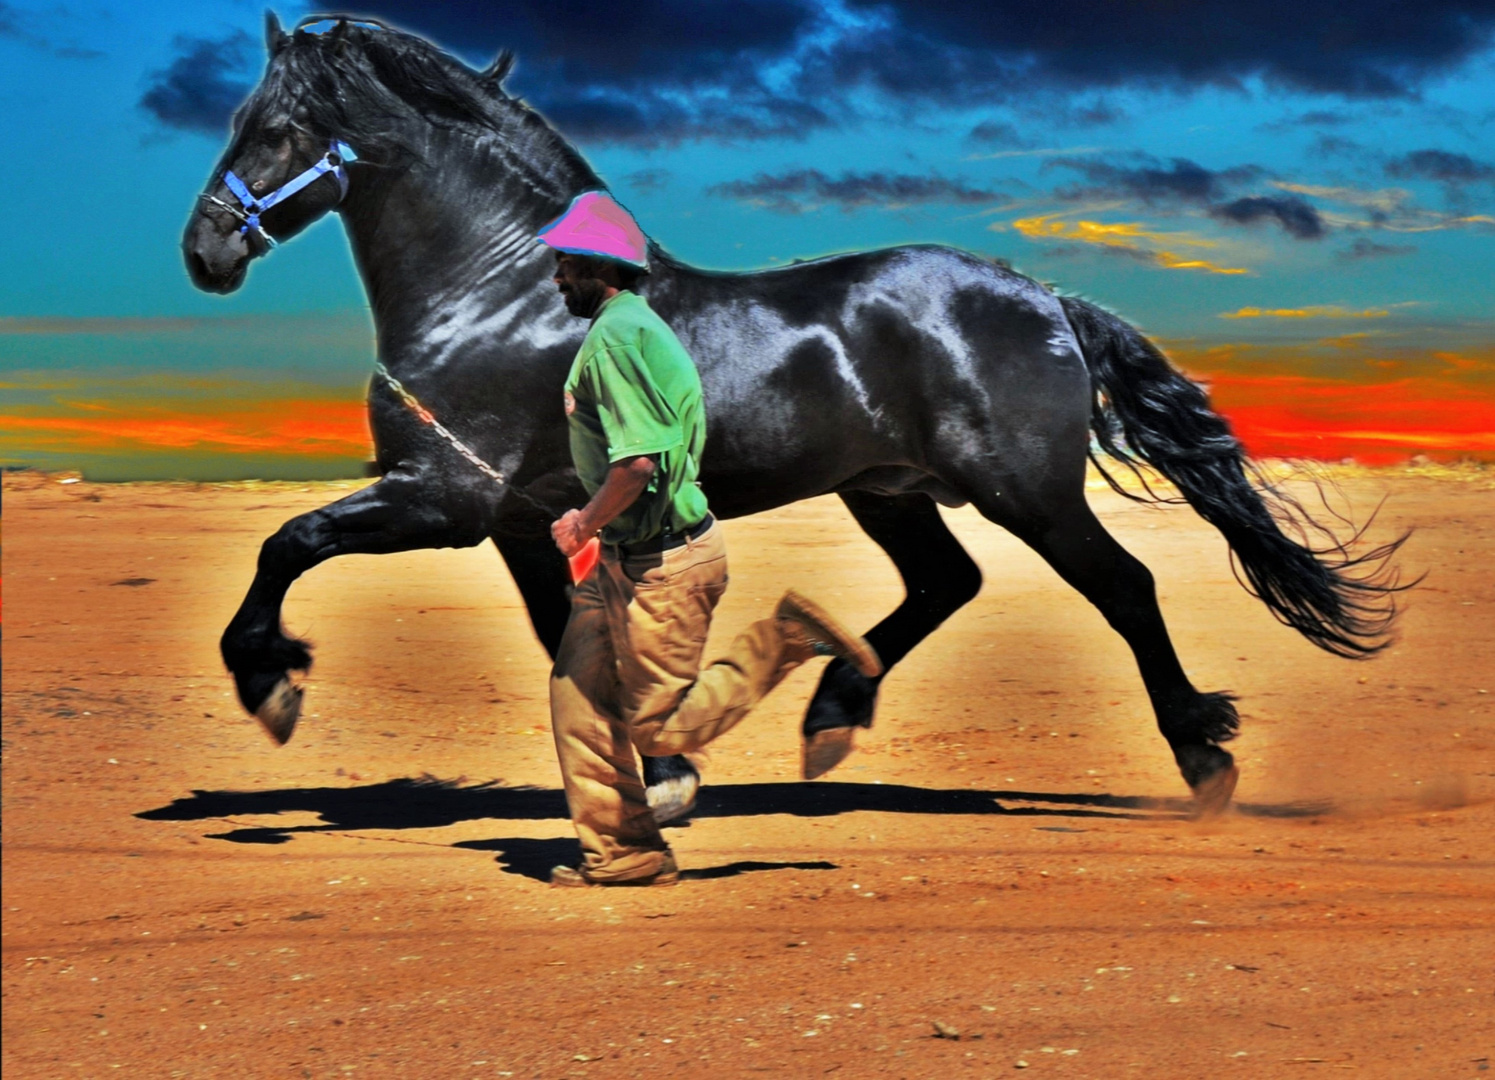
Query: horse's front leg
{"points": [[404, 511]]}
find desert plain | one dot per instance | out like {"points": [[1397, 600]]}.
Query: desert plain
{"points": [[1003, 880]]}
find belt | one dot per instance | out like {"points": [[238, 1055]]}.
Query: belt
{"points": [[665, 541]]}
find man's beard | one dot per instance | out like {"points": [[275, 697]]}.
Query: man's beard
{"points": [[584, 298]]}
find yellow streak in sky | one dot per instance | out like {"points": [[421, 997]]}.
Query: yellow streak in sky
{"points": [[1315, 311], [1124, 235]]}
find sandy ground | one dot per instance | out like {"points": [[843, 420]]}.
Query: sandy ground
{"points": [[1002, 878]]}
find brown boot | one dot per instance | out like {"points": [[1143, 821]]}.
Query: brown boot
{"points": [[809, 631], [577, 878]]}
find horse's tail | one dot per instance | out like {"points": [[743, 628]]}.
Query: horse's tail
{"points": [[1145, 411]]}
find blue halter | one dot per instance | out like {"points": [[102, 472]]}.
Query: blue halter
{"points": [[338, 154]]}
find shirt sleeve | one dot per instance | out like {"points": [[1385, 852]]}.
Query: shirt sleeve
{"points": [[636, 417]]}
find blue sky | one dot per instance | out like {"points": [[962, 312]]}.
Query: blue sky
{"points": [[1271, 189]]}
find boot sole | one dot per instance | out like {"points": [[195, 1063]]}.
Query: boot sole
{"points": [[567, 877], [855, 650]]}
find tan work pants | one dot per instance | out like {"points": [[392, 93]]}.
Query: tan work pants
{"points": [[628, 677]]}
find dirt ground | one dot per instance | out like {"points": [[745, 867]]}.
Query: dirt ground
{"points": [[1003, 878]]}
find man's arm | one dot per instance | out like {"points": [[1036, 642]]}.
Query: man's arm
{"points": [[625, 482]]}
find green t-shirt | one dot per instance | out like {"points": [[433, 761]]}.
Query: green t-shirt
{"points": [[634, 390]]}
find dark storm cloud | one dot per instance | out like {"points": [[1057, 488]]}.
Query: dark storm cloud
{"points": [[679, 42], [1314, 118], [655, 72], [649, 180], [1440, 165], [1295, 215], [199, 90], [13, 26], [665, 70], [997, 133], [1374, 48], [1187, 183], [800, 189], [1322, 118], [1150, 181], [656, 117], [1334, 146], [1369, 249], [1068, 114]]}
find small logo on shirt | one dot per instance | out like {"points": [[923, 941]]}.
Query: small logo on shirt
{"points": [[570, 404]]}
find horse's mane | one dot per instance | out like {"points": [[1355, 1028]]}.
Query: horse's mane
{"points": [[365, 81]]}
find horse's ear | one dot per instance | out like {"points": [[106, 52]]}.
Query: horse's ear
{"points": [[338, 36], [494, 74], [275, 37]]}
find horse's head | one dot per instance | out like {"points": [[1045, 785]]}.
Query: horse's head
{"points": [[279, 174]]}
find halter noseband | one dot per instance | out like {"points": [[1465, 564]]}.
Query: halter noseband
{"points": [[338, 154]]}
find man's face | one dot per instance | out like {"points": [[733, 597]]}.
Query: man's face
{"points": [[583, 292]]}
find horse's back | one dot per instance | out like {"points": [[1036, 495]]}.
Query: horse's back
{"points": [[907, 357]]}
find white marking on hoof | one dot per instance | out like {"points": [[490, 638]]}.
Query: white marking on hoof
{"points": [[674, 798], [826, 749], [1212, 796], [280, 711]]}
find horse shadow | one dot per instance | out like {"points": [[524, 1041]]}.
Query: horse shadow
{"points": [[427, 802]]}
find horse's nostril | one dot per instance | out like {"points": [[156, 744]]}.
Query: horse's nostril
{"points": [[198, 268]]}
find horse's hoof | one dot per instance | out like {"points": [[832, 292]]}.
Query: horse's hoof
{"points": [[673, 799], [826, 749], [279, 712], [1212, 795]]}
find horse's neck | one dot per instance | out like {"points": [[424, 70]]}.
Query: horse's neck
{"points": [[449, 242]]}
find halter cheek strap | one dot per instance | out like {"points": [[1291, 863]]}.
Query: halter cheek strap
{"points": [[338, 154]]}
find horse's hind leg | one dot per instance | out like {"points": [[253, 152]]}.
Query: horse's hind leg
{"points": [[1074, 542], [541, 575], [938, 578]]}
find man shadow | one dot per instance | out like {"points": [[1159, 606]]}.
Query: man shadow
{"points": [[531, 858], [427, 802]]}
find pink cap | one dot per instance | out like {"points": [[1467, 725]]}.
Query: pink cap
{"points": [[594, 224]]}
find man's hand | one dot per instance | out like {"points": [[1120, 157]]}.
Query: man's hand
{"points": [[625, 482], [569, 533]]}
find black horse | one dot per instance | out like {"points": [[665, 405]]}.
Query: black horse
{"points": [[897, 379]]}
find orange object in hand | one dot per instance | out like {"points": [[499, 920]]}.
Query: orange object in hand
{"points": [[584, 560]]}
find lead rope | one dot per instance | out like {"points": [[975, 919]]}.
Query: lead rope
{"points": [[426, 417]]}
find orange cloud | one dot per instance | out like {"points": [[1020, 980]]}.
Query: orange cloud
{"points": [[1316, 311], [1127, 237], [288, 426]]}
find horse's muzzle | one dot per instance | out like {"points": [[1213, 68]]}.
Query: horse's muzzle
{"points": [[216, 262]]}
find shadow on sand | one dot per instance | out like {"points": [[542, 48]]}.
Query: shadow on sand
{"points": [[535, 859], [428, 803]]}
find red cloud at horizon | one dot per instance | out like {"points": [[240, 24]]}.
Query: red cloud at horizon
{"points": [[1375, 423], [1274, 415]]}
